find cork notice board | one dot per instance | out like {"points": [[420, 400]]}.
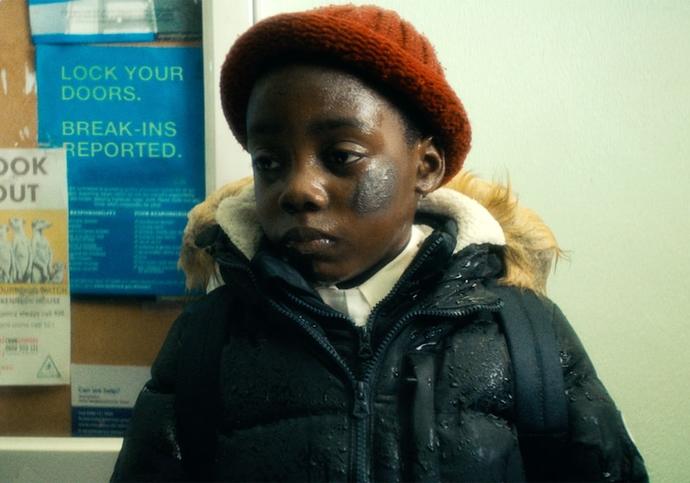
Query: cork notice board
{"points": [[105, 330]]}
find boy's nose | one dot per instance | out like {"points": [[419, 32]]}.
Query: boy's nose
{"points": [[304, 190]]}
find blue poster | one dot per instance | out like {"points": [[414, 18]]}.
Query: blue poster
{"points": [[131, 121]]}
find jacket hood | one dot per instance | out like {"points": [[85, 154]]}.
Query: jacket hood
{"points": [[485, 212]]}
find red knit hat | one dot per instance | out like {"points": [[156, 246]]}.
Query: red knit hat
{"points": [[370, 41]]}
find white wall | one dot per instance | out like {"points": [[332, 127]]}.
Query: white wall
{"points": [[51, 460], [586, 106], [223, 22]]}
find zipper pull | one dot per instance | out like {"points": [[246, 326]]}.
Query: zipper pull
{"points": [[365, 351], [361, 407]]}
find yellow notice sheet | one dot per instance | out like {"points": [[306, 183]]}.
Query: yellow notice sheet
{"points": [[34, 286]]}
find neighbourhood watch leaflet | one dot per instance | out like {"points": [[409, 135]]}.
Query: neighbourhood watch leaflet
{"points": [[34, 290], [131, 122]]}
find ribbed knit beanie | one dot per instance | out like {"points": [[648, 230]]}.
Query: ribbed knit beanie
{"points": [[373, 43]]}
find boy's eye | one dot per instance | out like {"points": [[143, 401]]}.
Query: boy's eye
{"points": [[265, 163], [344, 157]]}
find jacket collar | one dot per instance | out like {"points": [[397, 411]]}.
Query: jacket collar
{"points": [[438, 266]]}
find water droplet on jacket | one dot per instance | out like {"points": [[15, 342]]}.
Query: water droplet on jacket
{"points": [[396, 372], [606, 474], [498, 422], [589, 396], [571, 397], [564, 358]]}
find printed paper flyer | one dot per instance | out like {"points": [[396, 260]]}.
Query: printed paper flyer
{"points": [[131, 121], [34, 290], [82, 21], [103, 397]]}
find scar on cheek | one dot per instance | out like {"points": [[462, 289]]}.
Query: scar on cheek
{"points": [[375, 189]]}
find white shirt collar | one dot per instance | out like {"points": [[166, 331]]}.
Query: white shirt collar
{"points": [[357, 302]]}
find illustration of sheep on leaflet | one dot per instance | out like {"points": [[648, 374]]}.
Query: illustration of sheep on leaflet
{"points": [[42, 254], [21, 252], [24, 260]]}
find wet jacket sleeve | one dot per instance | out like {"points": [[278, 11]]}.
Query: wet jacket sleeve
{"points": [[150, 451], [599, 447]]}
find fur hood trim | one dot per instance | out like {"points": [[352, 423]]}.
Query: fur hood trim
{"points": [[485, 213]]}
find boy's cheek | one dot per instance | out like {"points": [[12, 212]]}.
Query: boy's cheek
{"points": [[375, 190]]}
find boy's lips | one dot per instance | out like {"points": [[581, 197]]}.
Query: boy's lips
{"points": [[307, 240]]}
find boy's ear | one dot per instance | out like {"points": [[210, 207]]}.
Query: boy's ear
{"points": [[431, 166]]}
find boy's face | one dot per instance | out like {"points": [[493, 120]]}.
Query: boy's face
{"points": [[336, 180]]}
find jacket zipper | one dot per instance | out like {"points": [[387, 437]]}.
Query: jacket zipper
{"points": [[363, 393], [360, 407], [372, 371], [363, 397], [310, 329]]}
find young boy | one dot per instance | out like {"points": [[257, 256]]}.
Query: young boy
{"points": [[361, 328]]}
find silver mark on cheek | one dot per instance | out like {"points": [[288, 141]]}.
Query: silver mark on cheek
{"points": [[375, 189]]}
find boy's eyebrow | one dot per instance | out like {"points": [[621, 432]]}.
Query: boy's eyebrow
{"points": [[315, 127], [332, 124]]}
